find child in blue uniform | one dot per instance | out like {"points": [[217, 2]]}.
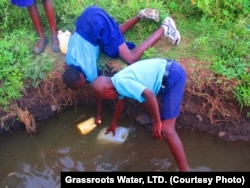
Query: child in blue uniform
{"points": [[33, 11], [143, 81], [97, 31]]}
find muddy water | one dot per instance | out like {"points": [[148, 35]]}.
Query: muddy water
{"points": [[58, 146]]}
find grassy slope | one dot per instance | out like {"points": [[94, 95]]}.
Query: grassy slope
{"points": [[198, 39]]}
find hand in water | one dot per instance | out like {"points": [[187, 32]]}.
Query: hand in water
{"points": [[98, 121], [112, 129]]}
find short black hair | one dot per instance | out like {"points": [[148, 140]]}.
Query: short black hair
{"points": [[71, 76]]}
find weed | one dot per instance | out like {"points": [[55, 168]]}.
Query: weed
{"points": [[19, 64]]}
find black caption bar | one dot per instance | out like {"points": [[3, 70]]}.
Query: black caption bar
{"points": [[159, 179]]}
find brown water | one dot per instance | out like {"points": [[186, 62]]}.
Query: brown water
{"points": [[58, 146]]}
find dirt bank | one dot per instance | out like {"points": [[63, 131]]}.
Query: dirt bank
{"points": [[207, 106]]}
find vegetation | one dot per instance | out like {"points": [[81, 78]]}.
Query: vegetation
{"points": [[215, 32]]}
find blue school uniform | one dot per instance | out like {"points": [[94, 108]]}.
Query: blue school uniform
{"points": [[23, 3], [95, 31]]}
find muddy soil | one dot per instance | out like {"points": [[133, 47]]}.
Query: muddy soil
{"points": [[207, 106]]}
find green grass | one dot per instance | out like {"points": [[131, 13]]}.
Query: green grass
{"points": [[217, 34]]}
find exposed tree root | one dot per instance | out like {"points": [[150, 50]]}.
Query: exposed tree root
{"points": [[28, 119], [215, 91]]}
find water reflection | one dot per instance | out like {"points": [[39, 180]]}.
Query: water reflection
{"points": [[58, 146]]}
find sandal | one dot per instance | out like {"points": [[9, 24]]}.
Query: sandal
{"points": [[40, 46], [55, 44]]}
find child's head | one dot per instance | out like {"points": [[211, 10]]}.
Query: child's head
{"points": [[73, 78], [104, 88]]}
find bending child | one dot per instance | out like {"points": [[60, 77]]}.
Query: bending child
{"points": [[143, 81], [97, 31]]}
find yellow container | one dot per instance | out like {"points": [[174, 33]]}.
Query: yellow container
{"points": [[86, 126]]}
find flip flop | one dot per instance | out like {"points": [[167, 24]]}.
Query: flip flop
{"points": [[55, 44], [40, 46]]}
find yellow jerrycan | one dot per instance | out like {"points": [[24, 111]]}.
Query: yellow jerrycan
{"points": [[87, 126]]}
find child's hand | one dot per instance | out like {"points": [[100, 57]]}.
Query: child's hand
{"points": [[98, 120], [112, 129], [157, 131]]}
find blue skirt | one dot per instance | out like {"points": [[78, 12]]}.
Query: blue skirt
{"points": [[23, 3]]}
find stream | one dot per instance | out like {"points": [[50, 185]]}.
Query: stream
{"points": [[36, 161]]}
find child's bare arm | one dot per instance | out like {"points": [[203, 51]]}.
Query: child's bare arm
{"points": [[152, 104], [117, 114], [98, 119]]}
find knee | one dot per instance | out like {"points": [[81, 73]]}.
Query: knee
{"points": [[167, 132]]}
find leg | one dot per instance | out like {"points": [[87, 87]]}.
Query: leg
{"points": [[147, 13], [167, 29], [175, 144], [128, 24], [168, 24], [130, 56], [171, 98], [48, 7], [33, 11]]}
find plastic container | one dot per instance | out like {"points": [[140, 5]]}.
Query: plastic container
{"points": [[63, 38], [121, 134], [86, 126]]}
